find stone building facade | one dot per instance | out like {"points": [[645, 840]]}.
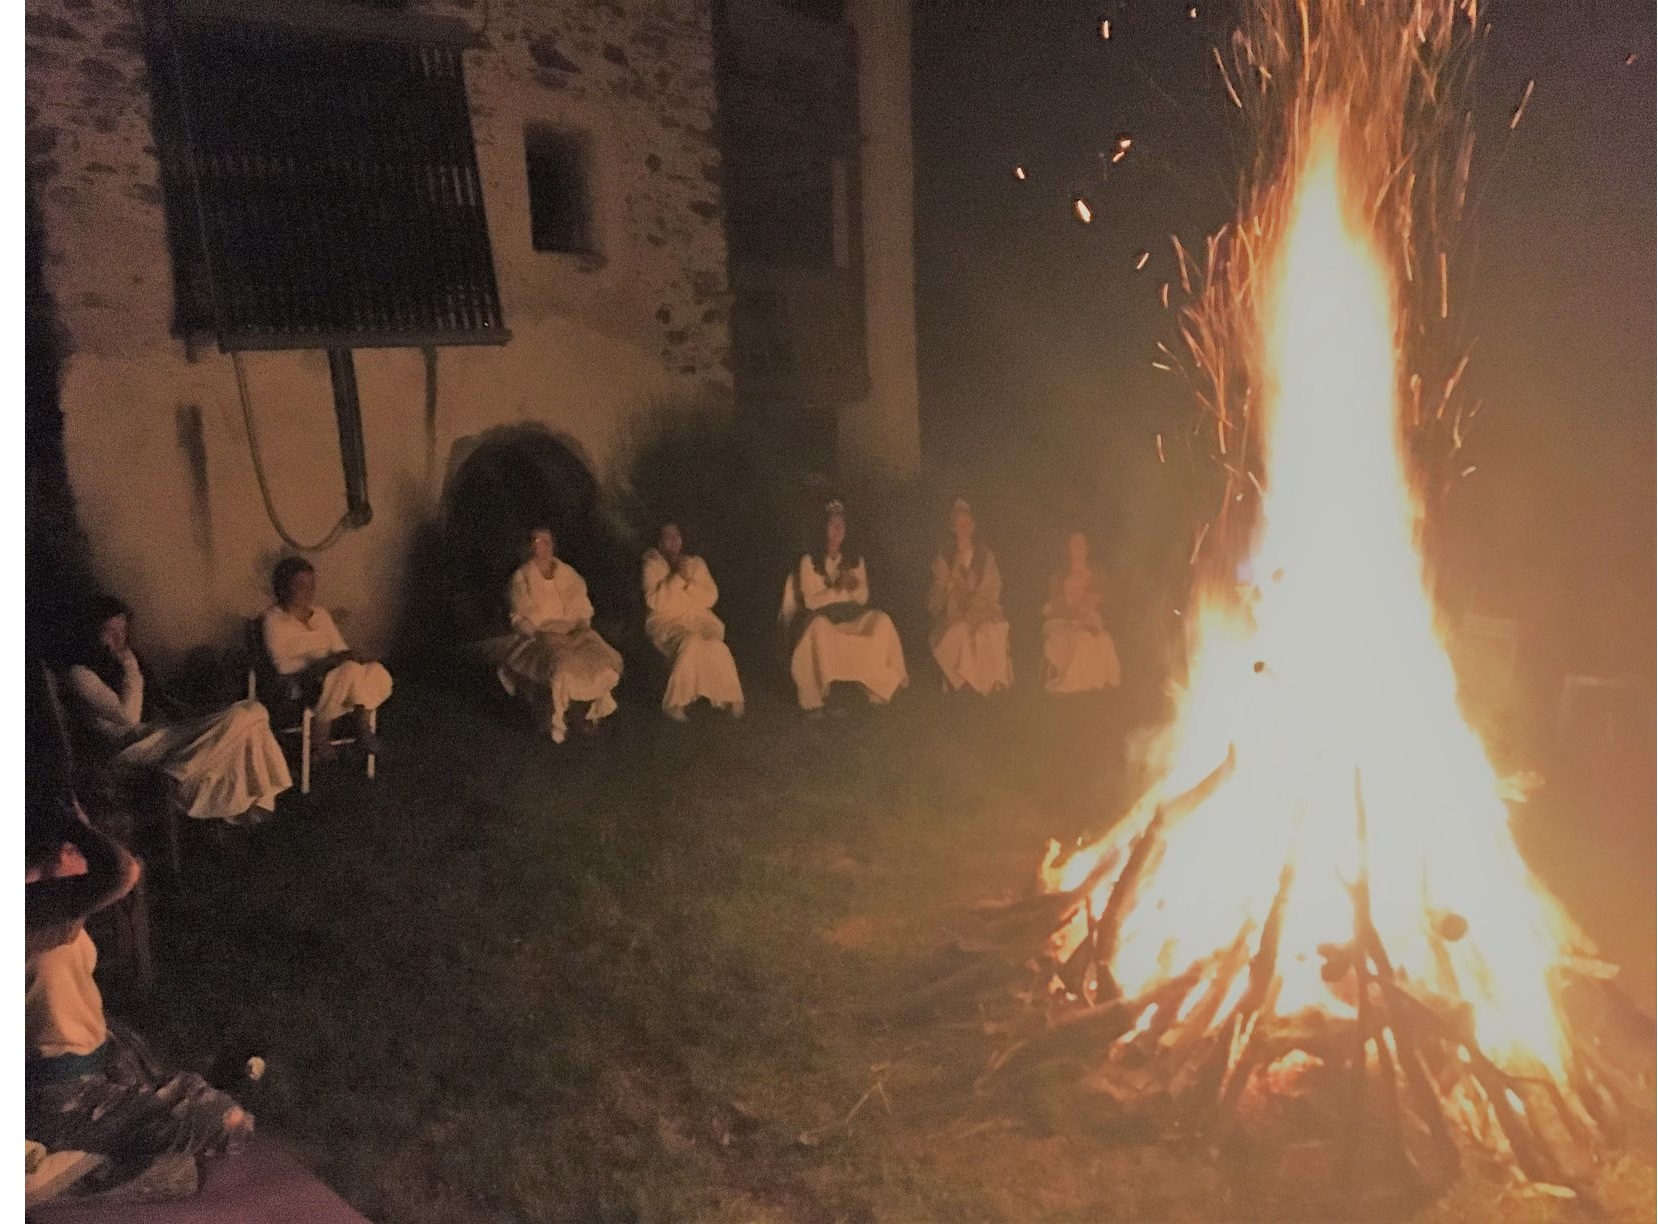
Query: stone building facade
{"points": [[156, 431], [156, 445]]}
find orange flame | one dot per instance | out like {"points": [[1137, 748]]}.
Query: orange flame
{"points": [[1332, 687]]}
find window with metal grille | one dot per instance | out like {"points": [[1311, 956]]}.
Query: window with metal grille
{"points": [[561, 211], [334, 190]]}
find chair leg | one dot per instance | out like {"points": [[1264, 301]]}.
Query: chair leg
{"points": [[373, 723], [138, 920], [305, 752], [175, 819]]}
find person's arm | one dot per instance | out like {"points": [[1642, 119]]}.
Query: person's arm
{"points": [[578, 608], [987, 600], [336, 642], [858, 592], [658, 579], [110, 875], [1056, 598], [521, 605], [938, 591], [699, 584], [815, 593], [283, 644], [123, 709]]}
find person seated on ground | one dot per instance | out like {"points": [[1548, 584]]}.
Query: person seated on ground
{"points": [[224, 766], [90, 1085], [969, 634], [1078, 652], [557, 653], [304, 643], [837, 636], [680, 595]]}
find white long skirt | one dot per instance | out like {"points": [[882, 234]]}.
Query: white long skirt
{"points": [[225, 764], [566, 667], [1079, 657], [974, 656], [351, 684], [702, 664], [864, 651]]}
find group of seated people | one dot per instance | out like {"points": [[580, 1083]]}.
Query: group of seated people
{"points": [[228, 765], [94, 1088], [834, 634], [837, 636]]}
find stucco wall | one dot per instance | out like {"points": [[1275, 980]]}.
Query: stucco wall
{"points": [[157, 451]]}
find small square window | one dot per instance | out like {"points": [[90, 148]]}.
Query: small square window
{"points": [[561, 208]]}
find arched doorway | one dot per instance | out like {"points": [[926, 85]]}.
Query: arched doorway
{"points": [[516, 478]]}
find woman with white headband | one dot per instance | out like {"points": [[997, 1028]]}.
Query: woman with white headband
{"points": [[837, 635]]}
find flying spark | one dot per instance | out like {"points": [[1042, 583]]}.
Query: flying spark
{"points": [[1521, 109], [1105, 28], [1019, 173], [1141, 262], [1084, 213]]}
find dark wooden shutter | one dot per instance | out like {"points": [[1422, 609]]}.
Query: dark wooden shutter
{"points": [[335, 190]]}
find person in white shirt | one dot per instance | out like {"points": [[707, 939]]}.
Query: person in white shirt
{"points": [[680, 595], [303, 641], [224, 766], [969, 634], [556, 653], [1078, 652], [839, 636]]}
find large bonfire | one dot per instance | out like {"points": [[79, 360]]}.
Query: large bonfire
{"points": [[1320, 893]]}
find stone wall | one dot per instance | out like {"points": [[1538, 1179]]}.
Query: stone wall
{"points": [[154, 435]]}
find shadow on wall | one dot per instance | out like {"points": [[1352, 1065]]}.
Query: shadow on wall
{"points": [[501, 483], [733, 497]]}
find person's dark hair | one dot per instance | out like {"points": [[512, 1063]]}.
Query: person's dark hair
{"points": [[282, 577], [526, 547], [46, 826], [851, 558], [684, 534], [90, 651]]}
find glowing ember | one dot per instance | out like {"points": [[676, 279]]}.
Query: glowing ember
{"points": [[1084, 213]]}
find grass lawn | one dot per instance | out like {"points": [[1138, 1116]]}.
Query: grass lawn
{"points": [[621, 979]]}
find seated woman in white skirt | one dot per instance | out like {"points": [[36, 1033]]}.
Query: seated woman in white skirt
{"points": [[680, 594], [969, 635], [840, 638], [303, 641], [225, 766], [1079, 654], [556, 653]]}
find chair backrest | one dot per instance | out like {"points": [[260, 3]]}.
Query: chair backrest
{"points": [[265, 683]]}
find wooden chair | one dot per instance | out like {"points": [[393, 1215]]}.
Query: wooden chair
{"points": [[123, 930], [285, 698], [112, 801]]}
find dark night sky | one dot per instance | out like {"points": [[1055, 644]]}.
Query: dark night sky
{"points": [[1037, 334]]}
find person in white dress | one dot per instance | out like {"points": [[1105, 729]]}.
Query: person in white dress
{"points": [[556, 653], [970, 634], [680, 595], [303, 642], [840, 637], [1078, 653], [224, 766]]}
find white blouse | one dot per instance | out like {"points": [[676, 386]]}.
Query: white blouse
{"points": [[539, 603], [294, 645]]}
